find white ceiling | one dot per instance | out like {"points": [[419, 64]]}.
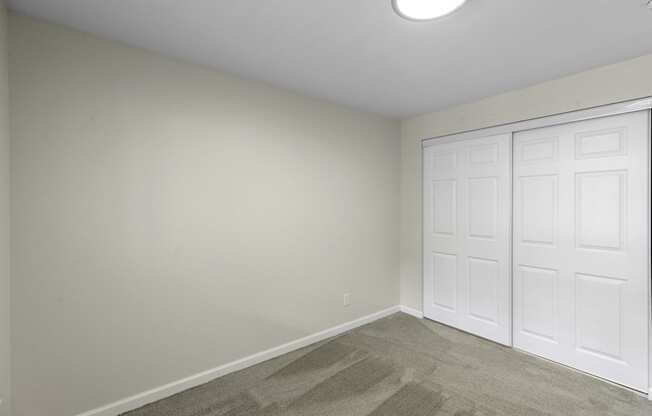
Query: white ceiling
{"points": [[361, 54]]}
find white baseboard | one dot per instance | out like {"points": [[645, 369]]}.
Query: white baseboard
{"points": [[411, 311], [158, 393]]}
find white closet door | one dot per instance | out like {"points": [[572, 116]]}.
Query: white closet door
{"points": [[581, 246], [467, 208]]}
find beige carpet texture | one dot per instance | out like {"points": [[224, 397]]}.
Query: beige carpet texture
{"points": [[403, 366]]}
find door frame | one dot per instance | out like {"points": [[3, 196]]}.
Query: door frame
{"points": [[623, 107], [618, 108]]}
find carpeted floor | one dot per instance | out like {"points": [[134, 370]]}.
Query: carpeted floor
{"points": [[403, 366]]}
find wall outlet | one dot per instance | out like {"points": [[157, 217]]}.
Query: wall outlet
{"points": [[347, 299]]}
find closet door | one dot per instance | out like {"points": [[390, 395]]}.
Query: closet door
{"points": [[467, 208], [581, 246]]}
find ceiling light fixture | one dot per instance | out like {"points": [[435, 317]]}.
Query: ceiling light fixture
{"points": [[425, 9]]}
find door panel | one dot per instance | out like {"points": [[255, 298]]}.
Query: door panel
{"points": [[444, 206], [467, 209], [600, 203], [539, 209], [444, 273], [581, 246], [539, 302], [483, 207], [483, 285]]}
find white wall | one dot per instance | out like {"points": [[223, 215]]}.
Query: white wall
{"points": [[168, 219], [609, 84], [4, 219]]}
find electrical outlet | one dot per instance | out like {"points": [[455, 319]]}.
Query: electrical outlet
{"points": [[347, 299]]}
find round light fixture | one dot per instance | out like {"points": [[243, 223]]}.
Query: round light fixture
{"points": [[425, 9]]}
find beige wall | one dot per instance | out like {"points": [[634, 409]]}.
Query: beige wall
{"points": [[4, 218], [168, 219], [620, 82]]}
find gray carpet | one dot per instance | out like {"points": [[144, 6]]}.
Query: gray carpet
{"points": [[403, 366]]}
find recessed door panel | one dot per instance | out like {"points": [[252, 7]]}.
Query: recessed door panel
{"points": [[444, 164], [483, 285], [483, 154], [581, 230], [598, 324], [444, 275], [600, 202], [538, 150], [467, 207], [444, 206], [483, 207], [538, 299], [539, 209], [604, 143]]}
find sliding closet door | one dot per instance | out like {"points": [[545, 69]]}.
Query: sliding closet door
{"points": [[581, 246], [467, 207]]}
